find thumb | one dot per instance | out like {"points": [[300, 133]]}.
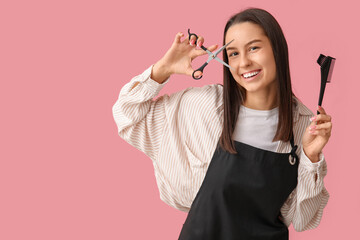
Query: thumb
{"points": [[190, 71]]}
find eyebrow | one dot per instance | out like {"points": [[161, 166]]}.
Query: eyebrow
{"points": [[252, 41]]}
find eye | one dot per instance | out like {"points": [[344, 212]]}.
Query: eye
{"points": [[232, 54], [253, 48]]}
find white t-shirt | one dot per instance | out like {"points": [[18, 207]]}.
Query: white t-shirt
{"points": [[257, 127]]}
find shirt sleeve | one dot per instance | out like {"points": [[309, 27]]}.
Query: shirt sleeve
{"points": [[139, 118], [304, 207]]}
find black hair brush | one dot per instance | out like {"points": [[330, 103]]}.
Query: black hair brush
{"points": [[326, 67]]}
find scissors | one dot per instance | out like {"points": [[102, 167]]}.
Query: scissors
{"points": [[211, 56]]}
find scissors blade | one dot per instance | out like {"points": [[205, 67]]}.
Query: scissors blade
{"points": [[219, 50], [211, 56], [221, 61]]}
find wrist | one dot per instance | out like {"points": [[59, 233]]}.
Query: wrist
{"points": [[160, 72], [313, 157]]}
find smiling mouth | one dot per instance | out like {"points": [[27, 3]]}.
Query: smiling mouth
{"points": [[251, 74]]}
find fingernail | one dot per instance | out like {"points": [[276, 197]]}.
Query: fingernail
{"points": [[199, 43], [313, 118], [313, 127], [192, 42], [319, 107]]}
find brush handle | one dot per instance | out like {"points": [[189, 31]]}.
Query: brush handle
{"points": [[323, 61], [322, 90]]}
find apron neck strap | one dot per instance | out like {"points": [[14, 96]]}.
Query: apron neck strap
{"points": [[293, 146], [292, 140]]}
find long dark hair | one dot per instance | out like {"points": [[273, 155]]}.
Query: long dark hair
{"points": [[234, 94]]}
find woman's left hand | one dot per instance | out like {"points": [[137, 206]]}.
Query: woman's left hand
{"points": [[316, 135]]}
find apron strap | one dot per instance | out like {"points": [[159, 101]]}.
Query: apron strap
{"points": [[293, 155]]}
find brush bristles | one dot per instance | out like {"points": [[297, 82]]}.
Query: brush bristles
{"points": [[332, 60]]}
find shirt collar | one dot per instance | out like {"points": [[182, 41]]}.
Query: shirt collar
{"points": [[300, 109]]}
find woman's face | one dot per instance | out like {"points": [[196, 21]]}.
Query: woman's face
{"points": [[251, 52]]}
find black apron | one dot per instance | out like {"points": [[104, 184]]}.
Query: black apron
{"points": [[241, 195]]}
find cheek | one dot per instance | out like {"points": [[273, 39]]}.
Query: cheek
{"points": [[238, 79], [232, 63], [269, 63], [235, 63]]}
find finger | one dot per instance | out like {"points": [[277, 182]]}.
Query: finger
{"points": [[200, 52], [311, 126], [212, 47], [200, 41], [189, 70], [198, 74], [192, 40], [178, 37], [326, 126], [321, 132], [321, 117], [321, 110], [186, 40]]}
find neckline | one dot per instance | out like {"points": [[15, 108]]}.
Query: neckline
{"points": [[267, 112]]}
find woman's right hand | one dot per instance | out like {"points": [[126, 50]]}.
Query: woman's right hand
{"points": [[178, 58]]}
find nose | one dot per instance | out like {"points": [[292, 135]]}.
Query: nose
{"points": [[244, 61]]}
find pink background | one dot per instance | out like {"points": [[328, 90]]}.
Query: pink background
{"points": [[66, 174]]}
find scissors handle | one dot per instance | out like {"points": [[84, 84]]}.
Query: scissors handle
{"points": [[196, 38], [190, 34], [200, 69]]}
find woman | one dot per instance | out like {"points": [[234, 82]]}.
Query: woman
{"points": [[242, 158]]}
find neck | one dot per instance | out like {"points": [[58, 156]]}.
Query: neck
{"points": [[261, 101]]}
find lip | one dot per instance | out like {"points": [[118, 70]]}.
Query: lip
{"points": [[252, 71], [253, 77]]}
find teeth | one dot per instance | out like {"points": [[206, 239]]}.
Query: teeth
{"points": [[247, 75]]}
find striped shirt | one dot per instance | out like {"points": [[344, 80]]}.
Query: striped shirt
{"points": [[179, 133]]}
